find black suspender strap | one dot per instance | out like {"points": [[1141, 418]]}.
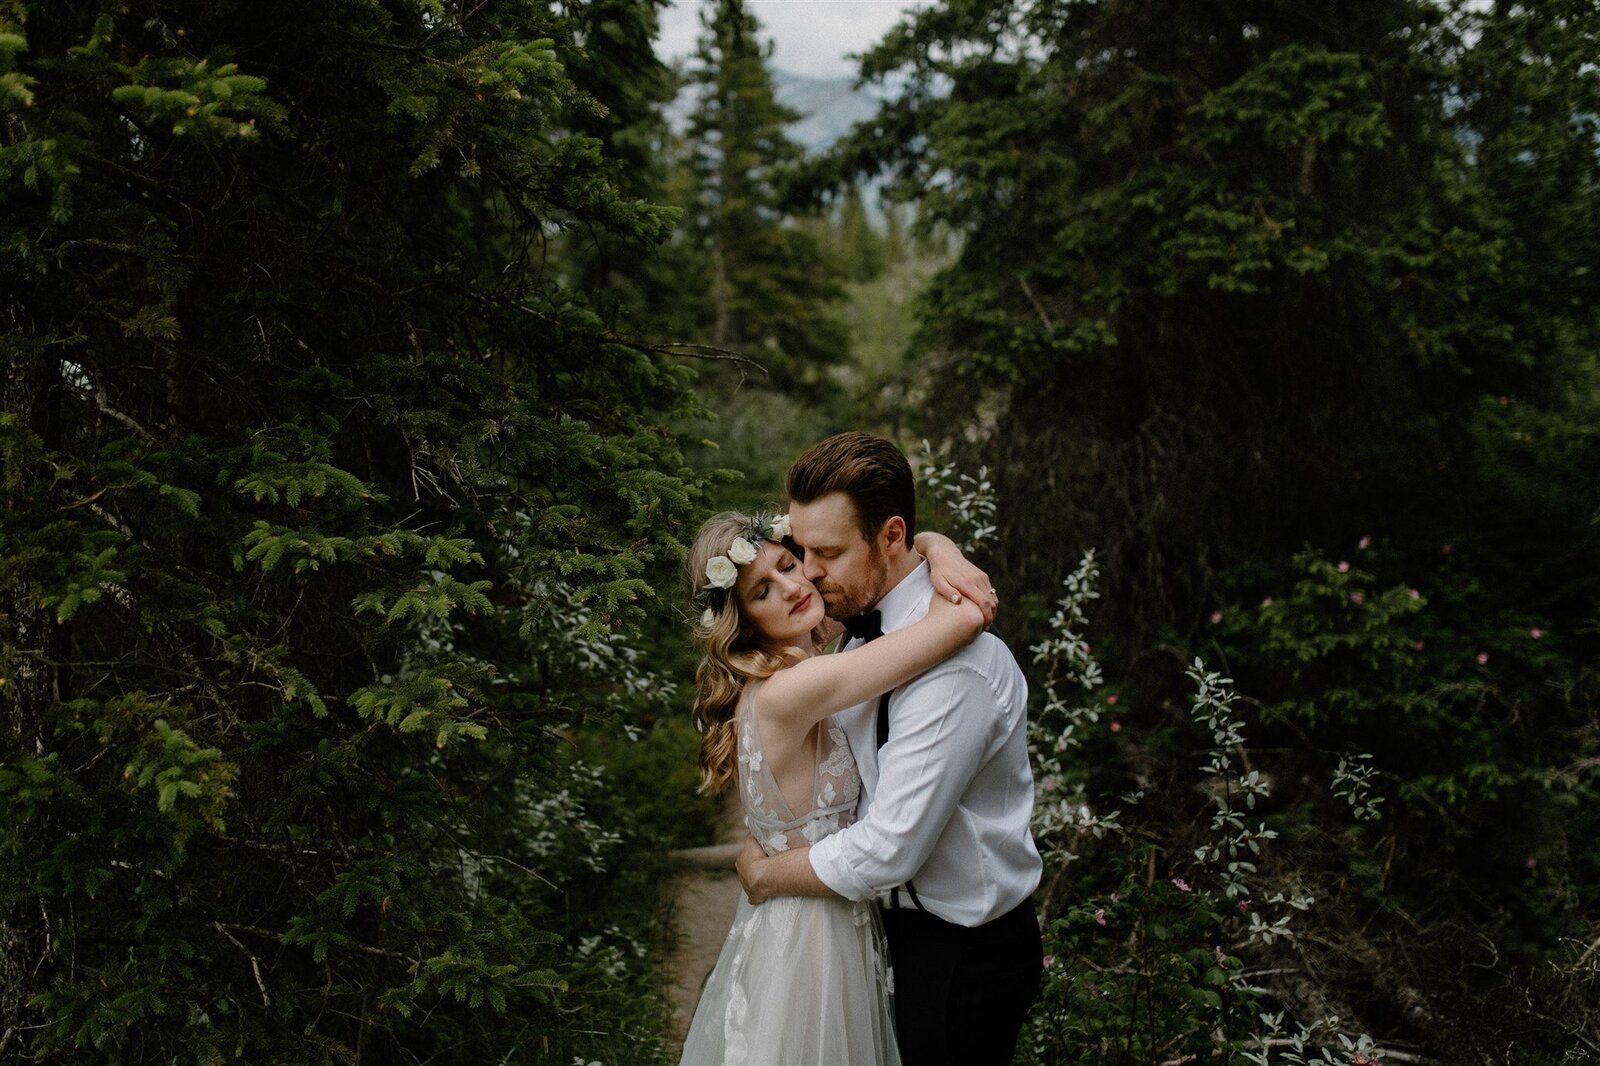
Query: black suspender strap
{"points": [[883, 737]]}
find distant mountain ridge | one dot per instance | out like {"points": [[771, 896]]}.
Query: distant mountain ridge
{"points": [[829, 106]]}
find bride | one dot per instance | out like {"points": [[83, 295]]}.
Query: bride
{"points": [[800, 980]]}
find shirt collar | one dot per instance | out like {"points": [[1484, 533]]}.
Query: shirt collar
{"points": [[901, 605]]}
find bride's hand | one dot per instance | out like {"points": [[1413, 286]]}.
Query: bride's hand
{"points": [[963, 615], [954, 578]]}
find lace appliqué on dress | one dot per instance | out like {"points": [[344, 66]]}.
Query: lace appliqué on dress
{"points": [[836, 787]]}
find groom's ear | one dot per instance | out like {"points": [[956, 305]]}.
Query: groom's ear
{"points": [[892, 535]]}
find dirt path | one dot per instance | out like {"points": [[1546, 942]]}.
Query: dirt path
{"points": [[706, 892]]}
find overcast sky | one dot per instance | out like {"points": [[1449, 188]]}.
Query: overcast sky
{"points": [[811, 37]]}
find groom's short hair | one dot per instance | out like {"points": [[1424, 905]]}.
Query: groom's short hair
{"points": [[868, 469]]}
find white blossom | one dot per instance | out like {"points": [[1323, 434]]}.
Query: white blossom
{"points": [[721, 572]]}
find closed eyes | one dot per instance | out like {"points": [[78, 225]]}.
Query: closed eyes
{"points": [[765, 584]]}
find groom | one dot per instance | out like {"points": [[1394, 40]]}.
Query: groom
{"points": [[942, 838]]}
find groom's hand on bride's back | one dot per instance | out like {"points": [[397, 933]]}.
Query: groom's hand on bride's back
{"points": [[787, 873], [748, 865]]}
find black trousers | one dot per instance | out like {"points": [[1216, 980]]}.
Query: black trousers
{"points": [[961, 995]]}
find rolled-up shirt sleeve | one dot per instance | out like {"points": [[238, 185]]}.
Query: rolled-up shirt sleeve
{"points": [[942, 725]]}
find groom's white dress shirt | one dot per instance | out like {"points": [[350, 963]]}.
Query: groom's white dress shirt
{"points": [[947, 802]]}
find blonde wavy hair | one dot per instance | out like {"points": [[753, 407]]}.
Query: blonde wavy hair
{"points": [[732, 659]]}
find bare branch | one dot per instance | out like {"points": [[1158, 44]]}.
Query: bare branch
{"points": [[1027, 290], [255, 965]]}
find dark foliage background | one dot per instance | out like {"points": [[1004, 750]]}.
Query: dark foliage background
{"points": [[366, 364], [325, 494]]}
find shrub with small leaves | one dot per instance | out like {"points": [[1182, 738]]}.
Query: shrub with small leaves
{"points": [[1162, 959], [967, 501]]}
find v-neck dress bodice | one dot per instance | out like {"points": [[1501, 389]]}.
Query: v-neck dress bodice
{"points": [[835, 785]]}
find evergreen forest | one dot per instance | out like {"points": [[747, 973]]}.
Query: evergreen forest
{"points": [[366, 367]]}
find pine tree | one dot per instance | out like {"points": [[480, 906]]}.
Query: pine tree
{"points": [[764, 285], [626, 85], [324, 502], [861, 249]]}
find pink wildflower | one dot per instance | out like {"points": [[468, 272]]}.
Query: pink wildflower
{"points": [[1049, 961], [1049, 784], [1116, 727], [1414, 594], [1111, 701], [1445, 549], [1100, 916], [1364, 543], [1419, 645], [1181, 884], [1267, 602], [1061, 746], [1244, 906], [1115, 896], [1504, 400], [1483, 658], [1532, 862], [1356, 597], [1216, 617], [1536, 633], [1344, 567]]}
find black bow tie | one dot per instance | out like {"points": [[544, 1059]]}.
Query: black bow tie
{"points": [[866, 626]]}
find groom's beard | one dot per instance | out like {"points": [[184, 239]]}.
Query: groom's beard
{"points": [[842, 600]]}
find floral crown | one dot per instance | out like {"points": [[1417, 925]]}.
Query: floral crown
{"points": [[722, 571]]}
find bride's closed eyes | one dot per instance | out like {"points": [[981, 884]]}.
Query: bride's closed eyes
{"points": [[785, 567]]}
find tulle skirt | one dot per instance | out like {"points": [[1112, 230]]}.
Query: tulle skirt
{"points": [[800, 982]]}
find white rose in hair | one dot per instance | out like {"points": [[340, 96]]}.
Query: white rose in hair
{"points": [[741, 551], [721, 572], [709, 618], [780, 526]]}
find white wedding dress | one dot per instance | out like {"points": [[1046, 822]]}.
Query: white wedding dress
{"points": [[801, 980]]}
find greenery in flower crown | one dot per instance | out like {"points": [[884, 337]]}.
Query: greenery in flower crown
{"points": [[722, 571]]}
